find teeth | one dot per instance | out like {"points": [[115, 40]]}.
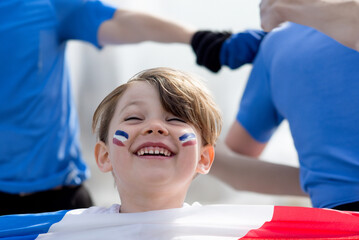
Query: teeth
{"points": [[154, 151]]}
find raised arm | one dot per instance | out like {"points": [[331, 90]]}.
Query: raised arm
{"points": [[236, 164], [134, 27], [338, 19]]}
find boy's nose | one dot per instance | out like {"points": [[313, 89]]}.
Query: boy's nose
{"points": [[156, 127]]}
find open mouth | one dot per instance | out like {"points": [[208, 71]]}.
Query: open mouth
{"points": [[154, 151]]}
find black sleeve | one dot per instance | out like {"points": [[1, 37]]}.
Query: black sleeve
{"points": [[207, 46]]}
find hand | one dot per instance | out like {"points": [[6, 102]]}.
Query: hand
{"points": [[270, 14], [336, 18]]}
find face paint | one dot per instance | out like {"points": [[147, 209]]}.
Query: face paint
{"points": [[119, 138], [188, 139]]}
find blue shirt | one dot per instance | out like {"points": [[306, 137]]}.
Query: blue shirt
{"points": [[312, 81], [39, 142]]}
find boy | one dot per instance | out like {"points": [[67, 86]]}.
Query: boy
{"points": [[156, 132]]}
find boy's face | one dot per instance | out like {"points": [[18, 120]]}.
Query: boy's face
{"points": [[149, 147]]}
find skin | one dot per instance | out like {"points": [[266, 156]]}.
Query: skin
{"points": [[238, 165], [338, 19], [134, 27], [148, 183]]}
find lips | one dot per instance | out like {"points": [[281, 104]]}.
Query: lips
{"points": [[154, 149]]}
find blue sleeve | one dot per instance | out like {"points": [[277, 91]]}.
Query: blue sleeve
{"points": [[84, 20], [257, 112], [241, 48]]}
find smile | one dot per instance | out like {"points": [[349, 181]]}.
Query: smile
{"points": [[154, 151]]}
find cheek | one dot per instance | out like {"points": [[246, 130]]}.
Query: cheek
{"points": [[188, 139], [119, 138]]}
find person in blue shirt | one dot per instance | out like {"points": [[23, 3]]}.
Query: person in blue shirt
{"points": [[311, 80], [41, 166]]}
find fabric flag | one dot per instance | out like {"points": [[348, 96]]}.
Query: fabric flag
{"points": [[192, 222]]}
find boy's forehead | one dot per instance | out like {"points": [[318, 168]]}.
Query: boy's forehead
{"points": [[138, 93], [137, 90]]}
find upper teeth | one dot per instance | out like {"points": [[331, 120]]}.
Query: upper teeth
{"points": [[153, 150]]}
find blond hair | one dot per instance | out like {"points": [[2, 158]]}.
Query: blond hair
{"points": [[181, 94]]}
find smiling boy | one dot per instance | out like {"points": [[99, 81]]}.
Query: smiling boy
{"points": [[155, 134]]}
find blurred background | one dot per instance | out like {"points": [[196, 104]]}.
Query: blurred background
{"points": [[97, 72]]}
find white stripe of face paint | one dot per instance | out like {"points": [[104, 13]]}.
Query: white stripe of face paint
{"points": [[120, 138]]}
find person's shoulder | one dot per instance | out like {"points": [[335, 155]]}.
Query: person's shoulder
{"points": [[281, 39], [289, 29]]}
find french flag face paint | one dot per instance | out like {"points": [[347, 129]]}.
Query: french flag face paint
{"points": [[119, 138], [188, 139]]}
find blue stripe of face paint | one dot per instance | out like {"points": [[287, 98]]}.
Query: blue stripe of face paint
{"points": [[187, 136], [121, 133]]}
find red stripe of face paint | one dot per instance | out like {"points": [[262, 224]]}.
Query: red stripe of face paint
{"points": [[118, 142], [190, 143]]}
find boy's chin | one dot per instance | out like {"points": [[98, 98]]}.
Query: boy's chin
{"points": [[161, 180]]}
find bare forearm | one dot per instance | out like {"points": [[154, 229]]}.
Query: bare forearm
{"points": [[251, 174], [338, 19], [135, 27]]}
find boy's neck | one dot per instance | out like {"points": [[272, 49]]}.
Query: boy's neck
{"points": [[132, 203]]}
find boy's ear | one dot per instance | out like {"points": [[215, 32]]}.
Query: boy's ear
{"points": [[207, 156], [102, 157]]}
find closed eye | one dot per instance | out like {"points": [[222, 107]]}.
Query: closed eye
{"points": [[133, 118], [176, 119]]}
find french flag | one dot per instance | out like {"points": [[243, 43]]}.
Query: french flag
{"points": [[211, 222], [188, 139], [120, 137]]}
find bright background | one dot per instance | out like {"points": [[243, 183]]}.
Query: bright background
{"points": [[95, 73]]}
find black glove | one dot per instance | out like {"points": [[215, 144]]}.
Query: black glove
{"points": [[207, 46]]}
